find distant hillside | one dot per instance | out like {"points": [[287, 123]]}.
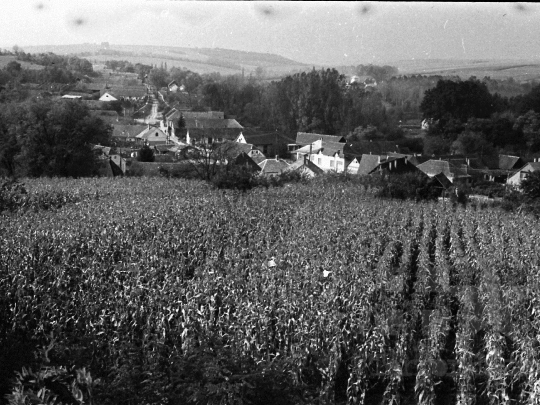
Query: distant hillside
{"points": [[200, 60], [519, 70]]}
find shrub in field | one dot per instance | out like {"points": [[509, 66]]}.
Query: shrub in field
{"points": [[407, 186], [236, 177], [12, 195], [52, 386], [146, 154]]}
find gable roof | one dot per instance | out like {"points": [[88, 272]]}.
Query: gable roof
{"points": [[233, 149], [127, 131], [305, 164], [273, 166], [326, 148], [507, 162], [128, 91], [368, 163], [443, 180], [433, 167], [305, 138], [244, 160], [261, 139], [212, 123], [360, 148], [149, 131]]}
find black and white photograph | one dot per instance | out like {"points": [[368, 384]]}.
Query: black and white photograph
{"points": [[269, 203]]}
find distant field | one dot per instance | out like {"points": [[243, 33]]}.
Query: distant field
{"points": [[520, 70], [200, 60], [5, 59]]}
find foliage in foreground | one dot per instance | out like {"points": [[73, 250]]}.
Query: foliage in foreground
{"points": [[173, 292]]}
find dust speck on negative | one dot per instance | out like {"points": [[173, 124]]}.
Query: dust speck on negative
{"points": [[265, 10], [78, 21], [365, 9]]}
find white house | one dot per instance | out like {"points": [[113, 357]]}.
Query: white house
{"points": [[107, 97], [326, 155], [523, 173]]}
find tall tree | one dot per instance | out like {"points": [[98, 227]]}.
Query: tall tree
{"points": [[57, 137]]}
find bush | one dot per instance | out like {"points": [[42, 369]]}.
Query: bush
{"points": [[12, 195], [146, 154], [407, 186], [489, 189], [51, 386]]}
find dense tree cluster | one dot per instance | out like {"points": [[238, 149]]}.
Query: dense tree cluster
{"points": [[466, 118], [48, 138]]}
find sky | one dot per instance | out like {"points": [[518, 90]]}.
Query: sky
{"points": [[325, 33]]}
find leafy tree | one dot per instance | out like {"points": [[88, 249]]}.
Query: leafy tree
{"points": [[158, 77], [531, 185], [457, 100], [56, 139], [146, 154], [436, 145], [473, 143]]}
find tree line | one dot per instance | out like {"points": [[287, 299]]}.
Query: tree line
{"points": [[465, 117]]}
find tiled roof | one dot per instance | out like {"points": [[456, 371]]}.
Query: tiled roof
{"points": [[304, 138], [273, 166], [368, 163], [127, 131], [374, 147], [433, 167], [243, 159], [534, 166], [147, 133], [233, 149], [326, 148], [261, 139], [507, 162], [212, 123], [308, 164]]}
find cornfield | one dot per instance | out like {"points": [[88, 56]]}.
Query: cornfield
{"points": [[168, 291]]}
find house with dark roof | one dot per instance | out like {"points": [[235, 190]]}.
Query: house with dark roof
{"points": [[230, 150], [385, 163], [243, 160], [210, 130]]}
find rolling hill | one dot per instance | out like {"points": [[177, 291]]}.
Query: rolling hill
{"points": [[200, 60]]}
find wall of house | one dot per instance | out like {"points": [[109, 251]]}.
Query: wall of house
{"points": [[329, 163]]}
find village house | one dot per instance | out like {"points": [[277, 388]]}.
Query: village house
{"points": [[230, 150], [154, 136], [516, 178], [273, 167], [452, 172], [305, 167], [127, 133], [329, 156], [306, 138], [385, 163]]}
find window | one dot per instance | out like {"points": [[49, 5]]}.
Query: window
{"points": [[319, 161], [331, 163], [340, 163]]}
